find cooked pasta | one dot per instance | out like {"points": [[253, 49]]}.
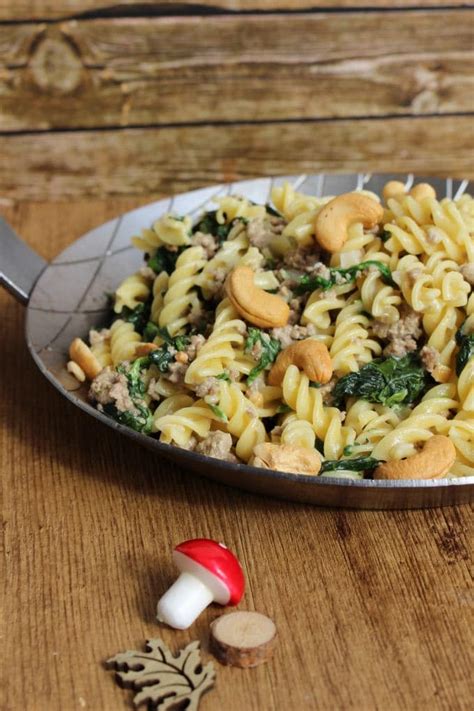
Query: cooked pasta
{"points": [[132, 291], [362, 352], [181, 296], [123, 341], [168, 230]]}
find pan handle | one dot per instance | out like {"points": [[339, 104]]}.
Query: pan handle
{"points": [[20, 266]]}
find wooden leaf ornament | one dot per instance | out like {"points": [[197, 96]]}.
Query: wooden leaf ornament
{"points": [[164, 681]]}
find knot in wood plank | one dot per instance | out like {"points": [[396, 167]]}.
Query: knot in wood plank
{"points": [[55, 64]]}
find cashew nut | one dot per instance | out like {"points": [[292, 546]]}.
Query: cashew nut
{"points": [[76, 370], [310, 356], [423, 190], [286, 458], [433, 462], [334, 219], [254, 304], [144, 349], [81, 354]]}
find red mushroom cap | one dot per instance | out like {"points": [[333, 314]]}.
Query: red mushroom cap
{"points": [[219, 561]]}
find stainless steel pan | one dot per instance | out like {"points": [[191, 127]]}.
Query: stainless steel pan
{"points": [[68, 296]]}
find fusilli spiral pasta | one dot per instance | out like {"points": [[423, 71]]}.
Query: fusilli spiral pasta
{"points": [[243, 331]]}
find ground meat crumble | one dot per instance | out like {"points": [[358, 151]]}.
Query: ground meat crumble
{"points": [[208, 242], [217, 444], [110, 387], [402, 335], [209, 390], [430, 358], [304, 259], [291, 333], [262, 230]]}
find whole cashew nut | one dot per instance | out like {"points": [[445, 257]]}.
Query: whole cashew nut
{"points": [[433, 462], [309, 356], [334, 219], [254, 304], [81, 354], [286, 458]]}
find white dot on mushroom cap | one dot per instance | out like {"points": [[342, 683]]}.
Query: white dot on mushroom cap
{"points": [[222, 545]]}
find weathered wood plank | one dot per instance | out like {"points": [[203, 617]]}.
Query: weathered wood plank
{"points": [[54, 9], [163, 161], [132, 72]]}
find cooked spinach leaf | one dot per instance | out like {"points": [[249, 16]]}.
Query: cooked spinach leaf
{"points": [[270, 349], [141, 422], [224, 376], [150, 332], [138, 316], [164, 260], [465, 342], [356, 465], [389, 381], [179, 343], [161, 358], [342, 276], [133, 373], [208, 225]]}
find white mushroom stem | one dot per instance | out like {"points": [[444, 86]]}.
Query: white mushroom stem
{"points": [[184, 601]]}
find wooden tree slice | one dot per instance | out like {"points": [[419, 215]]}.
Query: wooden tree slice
{"points": [[243, 639]]}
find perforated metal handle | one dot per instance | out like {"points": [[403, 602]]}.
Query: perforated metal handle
{"points": [[20, 266]]}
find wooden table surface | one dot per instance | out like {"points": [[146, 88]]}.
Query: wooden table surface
{"points": [[106, 105], [374, 609]]}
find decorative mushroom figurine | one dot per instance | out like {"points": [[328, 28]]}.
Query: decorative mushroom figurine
{"points": [[209, 573]]}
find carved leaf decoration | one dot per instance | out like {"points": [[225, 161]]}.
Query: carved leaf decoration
{"points": [[163, 680]]}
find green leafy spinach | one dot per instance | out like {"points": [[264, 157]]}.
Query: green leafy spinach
{"points": [[465, 341], [342, 276], [164, 260], [138, 316], [140, 422], [356, 465], [208, 224], [270, 349], [389, 381], [140, 418]]}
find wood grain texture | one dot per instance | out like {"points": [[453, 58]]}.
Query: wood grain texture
{"points": [[54, 9], [152, 71], [162, 161], [373, 609]]}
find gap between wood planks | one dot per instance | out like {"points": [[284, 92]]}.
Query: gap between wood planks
{"points": [[144, 10], [234, 124]]}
